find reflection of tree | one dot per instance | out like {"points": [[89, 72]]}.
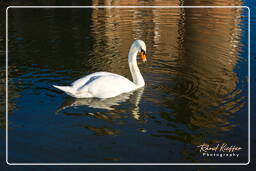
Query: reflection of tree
{"points": [[114, 29], [103, 130], [212, 68], [2, 99], [12, 95], [204, 79], [196, 50], [205, 87]]}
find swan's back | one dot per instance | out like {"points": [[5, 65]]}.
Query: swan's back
{"points": [[80, 82]]}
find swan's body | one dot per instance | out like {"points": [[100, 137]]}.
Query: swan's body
{"points": [[100, 85], [106, 84]]}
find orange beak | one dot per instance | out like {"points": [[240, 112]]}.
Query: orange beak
{"points": [[143, 57]]}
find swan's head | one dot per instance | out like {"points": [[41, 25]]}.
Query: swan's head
{"points": [[141, 47]]}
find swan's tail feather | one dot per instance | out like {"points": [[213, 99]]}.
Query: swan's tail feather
{"points": [[67, 89]]}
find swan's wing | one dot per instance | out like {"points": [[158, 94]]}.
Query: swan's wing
{"points": [[82, 81], [106, 86]]}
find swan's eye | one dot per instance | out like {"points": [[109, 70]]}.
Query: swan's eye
{"points": [[143, 55]]}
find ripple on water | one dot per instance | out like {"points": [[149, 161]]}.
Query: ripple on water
{"points": [[192, 93]]}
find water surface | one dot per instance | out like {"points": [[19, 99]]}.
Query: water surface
{"points": [[196, 85]]}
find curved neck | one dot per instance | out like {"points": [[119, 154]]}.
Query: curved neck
{"points": [[132, 61]]}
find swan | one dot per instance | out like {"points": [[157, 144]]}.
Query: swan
{"points": [[105, 84]]}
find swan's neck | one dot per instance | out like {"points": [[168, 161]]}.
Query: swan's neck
{"points": [[136, 75]]}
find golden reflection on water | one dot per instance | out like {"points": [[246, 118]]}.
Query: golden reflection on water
{"points": [[196, 49], [218, 35]]}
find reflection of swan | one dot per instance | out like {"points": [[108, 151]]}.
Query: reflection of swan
{"points": [[105, 84], [136, 101], [95, 102], [107, 103]]}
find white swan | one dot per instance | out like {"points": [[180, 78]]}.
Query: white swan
{"points": [[107, 85]]}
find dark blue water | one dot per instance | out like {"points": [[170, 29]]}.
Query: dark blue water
{"points": [[196, 85]]}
